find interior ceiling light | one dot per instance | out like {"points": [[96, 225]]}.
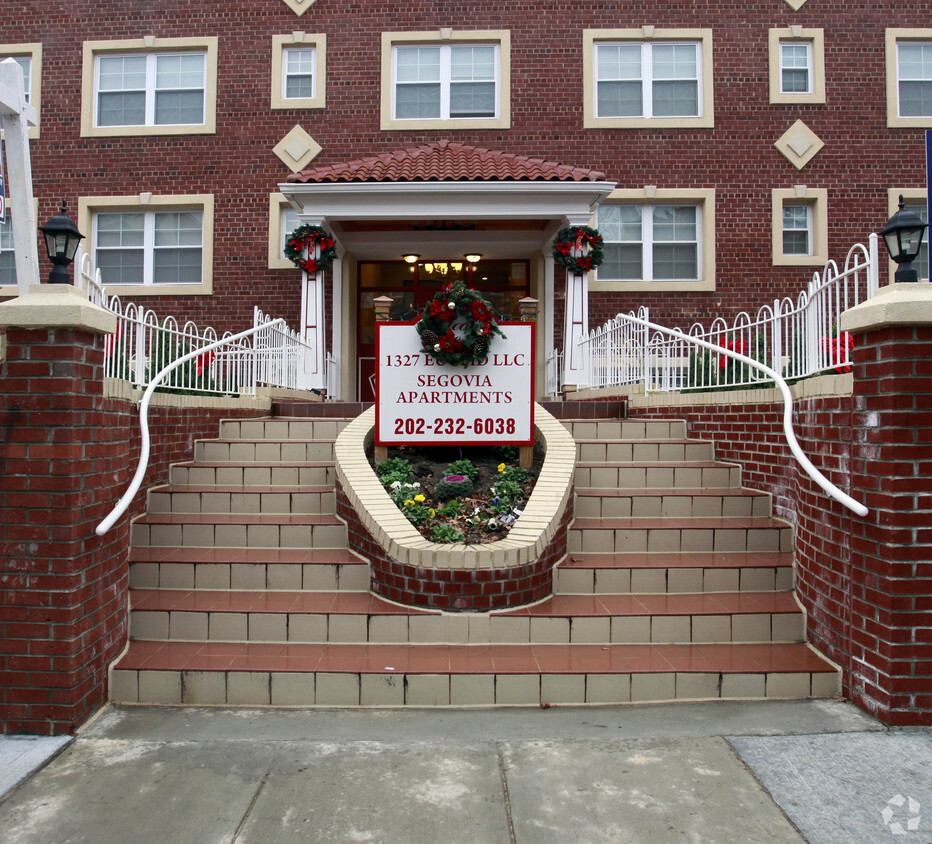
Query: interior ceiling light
{"points": [[473, 257], [411, 258]]}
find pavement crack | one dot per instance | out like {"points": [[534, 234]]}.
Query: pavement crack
{"points": [[249, 808], [501, 770]]}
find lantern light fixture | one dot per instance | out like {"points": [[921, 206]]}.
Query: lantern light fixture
{"points": [[61, 242], [903, 236]]}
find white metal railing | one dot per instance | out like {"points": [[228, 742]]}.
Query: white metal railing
{"points": [[158, 378], [795, 339], [553, 373]]}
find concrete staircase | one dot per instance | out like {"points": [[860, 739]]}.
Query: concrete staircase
{"points": [[678, 586]]}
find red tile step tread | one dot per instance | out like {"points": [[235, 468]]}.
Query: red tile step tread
{"points": [[678, 523], [783, 658], [561, 606], [254, 556], [238, 519]]}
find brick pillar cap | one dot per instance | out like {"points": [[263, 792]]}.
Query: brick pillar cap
{"points": [[895, 304], [56, 306]]}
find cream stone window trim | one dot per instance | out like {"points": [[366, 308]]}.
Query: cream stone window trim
{"points": [[88, 206], [816, 40], [911, 196], [702, 37], [651, 195], [817, 200], [277, 206], [445, 35], [892, 38], [34, 52], [149, 44], [281, 43]]}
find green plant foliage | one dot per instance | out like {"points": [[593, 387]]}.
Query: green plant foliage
{"points": [[454, 486], [446, 533], [463, 467]]}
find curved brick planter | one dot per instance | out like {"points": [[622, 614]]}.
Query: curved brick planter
{"points": [[406, 567]]}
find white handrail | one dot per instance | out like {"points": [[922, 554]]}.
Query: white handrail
{"points": [[134, 485], [827, 486]]}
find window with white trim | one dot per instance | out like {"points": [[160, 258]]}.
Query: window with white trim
{"points": [[153, 89], [298, 77], [7, 255], [446, 78], [651, 242], [149, 247], [914, 78], [150, 86], [797, 229], [648, 79], [795, 67], [445, 81], [298, 70]]}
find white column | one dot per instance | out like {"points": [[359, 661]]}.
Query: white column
{"points": [[18, 116], [575, 320], [313, 318], [334, 391]]}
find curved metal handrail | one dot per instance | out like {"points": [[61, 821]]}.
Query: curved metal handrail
{"points": [[136, 482], [827, 486]]}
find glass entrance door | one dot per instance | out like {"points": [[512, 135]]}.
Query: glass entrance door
{"points": [[412, 286]]}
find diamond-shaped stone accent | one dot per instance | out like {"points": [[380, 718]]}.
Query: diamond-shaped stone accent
{"points": [[795, 4], [297, 149], [799, 144], [299, 7]]}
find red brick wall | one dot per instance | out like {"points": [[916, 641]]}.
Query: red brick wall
{"points": [[66, 456], [454, 590], [866, 584], [237, 166]]}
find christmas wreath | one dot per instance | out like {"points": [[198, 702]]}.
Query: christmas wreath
{"points": [[578, 248], [307, 237], [475, 326]]}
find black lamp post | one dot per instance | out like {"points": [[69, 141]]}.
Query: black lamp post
{"points": [[903, 236], [61, 242]]}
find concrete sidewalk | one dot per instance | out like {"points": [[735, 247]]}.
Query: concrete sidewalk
{"points": [[719, 772]]}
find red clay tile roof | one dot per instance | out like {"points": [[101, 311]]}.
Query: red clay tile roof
{"points": [[447, 161]]}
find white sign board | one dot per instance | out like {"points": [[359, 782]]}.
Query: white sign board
{"points": [[420, 401]]}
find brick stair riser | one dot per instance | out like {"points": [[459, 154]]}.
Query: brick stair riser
{"points": [[264, 451], [655, 452], [620, 581], [281, 429], [657, 477], [306, 577], [693, 539], [350, 628], [189, 535], [263, 688], [247, 503], [626, 429], [589, 504], [321, 474]]}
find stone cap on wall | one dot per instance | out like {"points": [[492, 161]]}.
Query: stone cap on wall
{"points": [[895, 304], [56, 306]]}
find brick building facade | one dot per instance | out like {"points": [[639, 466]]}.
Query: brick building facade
{"points": [[732, 155]]}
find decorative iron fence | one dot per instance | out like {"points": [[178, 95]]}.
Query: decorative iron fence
{"points": [[795, 339]]}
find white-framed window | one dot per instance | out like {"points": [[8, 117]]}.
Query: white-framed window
{"points": [[915, 200], [435, 80], [800, 226], [153, 245], [656, 239], [648, 79], [29, 58], [149, 87], [797, 65], [445, 81], [909, 77], [298, 69], [7, 255], [651, 242], [638, 78], [797, 229]]}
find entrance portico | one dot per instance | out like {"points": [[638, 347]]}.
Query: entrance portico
{"points": [[441, 201]]}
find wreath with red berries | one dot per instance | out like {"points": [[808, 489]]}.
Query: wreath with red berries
{"points": [[578, 248], [304, 239], [476, 326]]}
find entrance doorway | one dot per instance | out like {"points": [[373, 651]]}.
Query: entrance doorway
{"points": [[411, 286]]}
